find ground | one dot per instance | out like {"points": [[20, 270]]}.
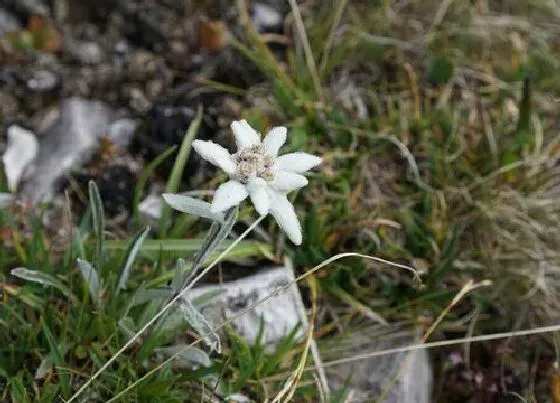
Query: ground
{"points": [[439, 128]]}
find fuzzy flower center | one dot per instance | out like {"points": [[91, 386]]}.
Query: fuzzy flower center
{"points": [[252, 161]]}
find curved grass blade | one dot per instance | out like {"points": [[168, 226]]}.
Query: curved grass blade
{"points": [[44, 279], [92, 280], [98, 219], [58, 360], [144, 175], [130, 257], [178, 167]]}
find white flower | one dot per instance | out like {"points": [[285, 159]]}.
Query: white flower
{"points": [[257, 171]]}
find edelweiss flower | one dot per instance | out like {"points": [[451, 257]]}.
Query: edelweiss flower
{"points": [[257, 171]]}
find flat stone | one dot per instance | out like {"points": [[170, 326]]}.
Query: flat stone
{"points": [[151, 207], [266, 18], [368, 378], [42, 81], [280, 313], [8, 22], [21, 151], [68, 142]]}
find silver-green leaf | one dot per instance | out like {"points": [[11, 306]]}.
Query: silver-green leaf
{"points": [[44, 279], [131, 253], [190, 205], [91, 278], [200, 324]]}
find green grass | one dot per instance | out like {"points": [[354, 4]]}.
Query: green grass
{"points": [[442, 157]]}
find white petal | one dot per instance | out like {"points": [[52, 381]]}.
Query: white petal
{"points": [[275, 139], [285, 215], [285, 182], [259, 194], [228, 195], [245, 135], [215, 154], [297, 162]]}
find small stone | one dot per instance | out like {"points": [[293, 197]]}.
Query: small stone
{"points": [[121, 131], [21, 151], [367, 378], [6, 200], [8, 23], [280, 313], [89, 52], [150, 208], [266, 18], [69, 141], [138, 100], [42, 81]]}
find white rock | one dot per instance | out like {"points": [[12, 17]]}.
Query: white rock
{"points": [[368, 378], [151, 207], [266, 17], [69, 141], [21, 151], [6, 199], [8, 22], [280, 313], [121, 131], [42, 80], [89, 52]]}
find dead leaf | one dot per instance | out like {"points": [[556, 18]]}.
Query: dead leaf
{"points": [[555, 387], [212, 35], [45, 36]]}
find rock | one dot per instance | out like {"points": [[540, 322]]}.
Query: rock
{"points": [[26, 8], [266, 18], [116, 188], [121, 131], [87, 52], [42, 81], [8, 22], [366, 379], [69, 141], [6, 200], [21, 151], [280, 313], [151, 207]]}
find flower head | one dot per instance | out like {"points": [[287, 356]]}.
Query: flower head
{"points": [[256, 171]]}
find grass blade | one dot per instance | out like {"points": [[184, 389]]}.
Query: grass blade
{"points": [[130, 257], [178, 167], [98, 219], [143, 177], [58, 360]]}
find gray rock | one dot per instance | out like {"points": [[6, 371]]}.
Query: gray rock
{"points": [[21, 151], [280, 313], [369, 377], [8, 22], [151, 207], [87, 52], [42, 81], [121, 131], [266, 18], [69, 141]]}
